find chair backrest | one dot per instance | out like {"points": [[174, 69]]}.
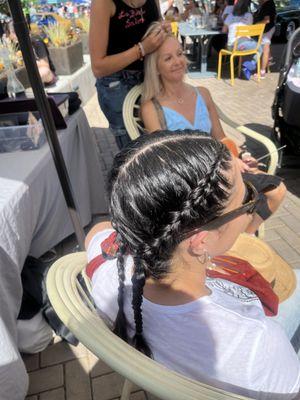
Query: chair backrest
{"points": [[131, 112], [134, 125], [175, 28], [77, 312], [256, 30]]}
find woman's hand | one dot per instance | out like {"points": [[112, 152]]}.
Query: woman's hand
{"points": [[154, 40], [249, 160], [242, 166]]}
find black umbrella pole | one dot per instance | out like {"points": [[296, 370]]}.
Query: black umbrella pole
{"points": [[22, 33]]}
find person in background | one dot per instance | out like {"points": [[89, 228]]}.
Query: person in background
{"points": [[192, 8], [117, 51], [172, 14], [241, 16], [168, 102], [266, 14], [218, 42], [229, 4], [45, 65], [32, 9], [218, 10]]}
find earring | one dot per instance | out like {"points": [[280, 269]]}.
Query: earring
{"points": [[204, 258]]}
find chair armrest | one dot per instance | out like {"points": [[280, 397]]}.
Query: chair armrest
{"points": [[272, 149]]}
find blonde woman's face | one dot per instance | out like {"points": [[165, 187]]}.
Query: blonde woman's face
{"points": [[171, 62]]}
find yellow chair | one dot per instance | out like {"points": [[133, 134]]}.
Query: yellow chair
{"points": [[242, 31], [174, 27]]}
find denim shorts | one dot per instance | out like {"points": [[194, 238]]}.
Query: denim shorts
{"points": [[112, 91]]}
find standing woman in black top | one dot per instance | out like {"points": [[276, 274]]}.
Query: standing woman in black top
{"points": [[117, 51]]}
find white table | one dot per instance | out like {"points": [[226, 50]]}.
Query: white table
{"points": [[33, 213], [204, 37]]}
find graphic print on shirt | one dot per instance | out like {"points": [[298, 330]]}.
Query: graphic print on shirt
{"points": [[133, 17], [240, 292]]}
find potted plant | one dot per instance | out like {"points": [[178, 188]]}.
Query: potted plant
{"points": [[65, 49], [83, 23], [16, 60]]}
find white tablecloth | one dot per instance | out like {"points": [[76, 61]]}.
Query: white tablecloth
{"points": [[33, 213]]}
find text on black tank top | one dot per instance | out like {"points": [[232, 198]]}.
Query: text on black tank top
{"points": [[128, 26]]}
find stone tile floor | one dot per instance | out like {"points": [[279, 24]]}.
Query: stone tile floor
{"points": [[64, 372]]}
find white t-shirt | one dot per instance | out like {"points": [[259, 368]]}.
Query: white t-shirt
{"points": [[227, 11], [223, 339], [232, 21]]}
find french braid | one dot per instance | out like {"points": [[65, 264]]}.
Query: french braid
{"points": [[138, 282], [120, 323], [161, 186]]}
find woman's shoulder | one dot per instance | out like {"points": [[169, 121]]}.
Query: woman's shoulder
{"points": [[203, 90], [147, 107], [236, 299], [205, 93]]}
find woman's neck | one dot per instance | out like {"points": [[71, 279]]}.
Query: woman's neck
{"points": [[134, 3], [172, 90], [183, 284]]}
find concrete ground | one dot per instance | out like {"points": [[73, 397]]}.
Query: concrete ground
{"points": [[64, 372]]}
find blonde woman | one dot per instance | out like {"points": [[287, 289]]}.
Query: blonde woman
{"points": [[168, 102]]}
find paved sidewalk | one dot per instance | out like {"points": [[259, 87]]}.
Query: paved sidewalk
{"points": [[64, 372]]}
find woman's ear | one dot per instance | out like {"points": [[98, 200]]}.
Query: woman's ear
{"points": [[198, 243]]}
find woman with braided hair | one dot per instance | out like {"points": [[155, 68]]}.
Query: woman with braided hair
{"points": [[177, 199]]}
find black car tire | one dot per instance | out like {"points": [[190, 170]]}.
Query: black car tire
{"points": [[290, 29]]}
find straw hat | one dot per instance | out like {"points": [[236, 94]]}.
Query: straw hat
{"points": [[271, 266]]}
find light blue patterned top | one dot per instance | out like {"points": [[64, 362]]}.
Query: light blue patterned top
{"points": [[175, 120]]}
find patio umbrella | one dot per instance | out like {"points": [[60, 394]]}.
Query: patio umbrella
{"points": [[43, 106]]}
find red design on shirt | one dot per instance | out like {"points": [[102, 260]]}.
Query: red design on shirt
{"points": [[133, 17]]}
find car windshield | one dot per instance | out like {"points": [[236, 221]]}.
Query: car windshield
{"points": [[295, 3], [287, 3]]}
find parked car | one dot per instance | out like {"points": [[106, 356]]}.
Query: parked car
{"points": [[287, 20], [47, 18]]}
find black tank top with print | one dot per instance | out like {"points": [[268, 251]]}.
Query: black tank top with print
{"points": [[128, 26]]}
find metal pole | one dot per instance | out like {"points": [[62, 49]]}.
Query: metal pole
{"points": [[22, 33]]}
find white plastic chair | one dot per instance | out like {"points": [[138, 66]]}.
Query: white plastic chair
{"points": [[76, 311]]}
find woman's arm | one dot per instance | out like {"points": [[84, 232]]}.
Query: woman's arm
{"points": [[266, 20], [216, 129], [102, 64], [150, 117], [225, 28]]}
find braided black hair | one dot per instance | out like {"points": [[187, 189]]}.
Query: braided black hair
{"points": [[138, 282], [162, 186], [120, 324]]}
